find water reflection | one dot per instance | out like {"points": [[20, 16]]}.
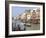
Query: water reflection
{"points": [[17, 25]]}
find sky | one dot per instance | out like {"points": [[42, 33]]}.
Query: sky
{"points": [[19, 10]]}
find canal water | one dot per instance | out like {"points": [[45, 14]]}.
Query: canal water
{"points": [[22, 26]]}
